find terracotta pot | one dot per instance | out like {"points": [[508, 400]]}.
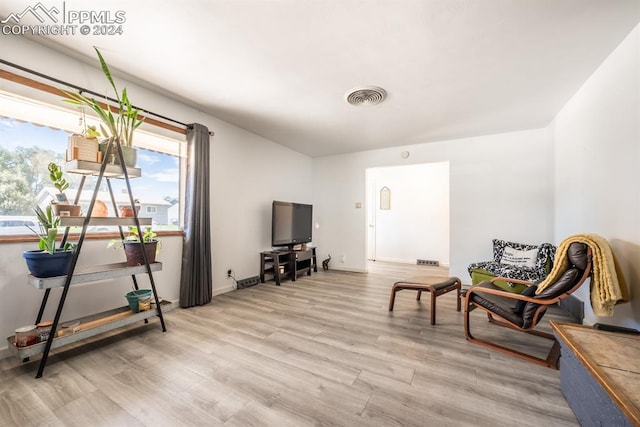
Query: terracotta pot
{"points": [[100, 209], [127, 212]]}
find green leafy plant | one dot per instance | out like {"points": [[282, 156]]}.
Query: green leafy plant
{"points": [[91, 132], [57, 177], [48, 224], [120, 124], [148, 236]]}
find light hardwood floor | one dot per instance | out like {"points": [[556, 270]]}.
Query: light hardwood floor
{"points": [[323, 350]]}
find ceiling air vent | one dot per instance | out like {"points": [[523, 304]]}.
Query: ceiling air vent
{"points": [[366, 95]]}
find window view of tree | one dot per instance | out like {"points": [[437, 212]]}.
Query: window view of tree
{"points": [[22, 174], [26, 149]]}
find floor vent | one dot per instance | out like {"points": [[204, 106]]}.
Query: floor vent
{"points": [[428, 262], [249, 281]]}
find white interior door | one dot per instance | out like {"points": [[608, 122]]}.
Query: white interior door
{"points": [[371, 218]]}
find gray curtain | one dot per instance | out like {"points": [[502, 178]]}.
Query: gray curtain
{"points": [[196, 280]]}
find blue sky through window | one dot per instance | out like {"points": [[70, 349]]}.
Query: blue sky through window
{"points": [[160, 172]]}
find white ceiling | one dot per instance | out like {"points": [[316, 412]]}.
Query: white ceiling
{"points": [[281, 68]]}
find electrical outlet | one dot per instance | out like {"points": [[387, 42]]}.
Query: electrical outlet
{"points": [[342, 258], [229, 272]]}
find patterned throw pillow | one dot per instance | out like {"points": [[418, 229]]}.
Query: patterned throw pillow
{"points": [[546, 253], [499, 245], [518, 258]]}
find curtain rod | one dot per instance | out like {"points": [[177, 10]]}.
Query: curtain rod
{"points": [[81, 89]]}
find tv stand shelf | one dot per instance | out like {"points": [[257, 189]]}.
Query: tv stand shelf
{"points": [[287, 264]]}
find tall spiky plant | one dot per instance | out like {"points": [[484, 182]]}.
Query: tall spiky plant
{"points": [[48, 224], [121, 124]]}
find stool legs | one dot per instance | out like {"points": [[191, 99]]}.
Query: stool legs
{"points": [[435, 290], [392, 298], [433, 307]]}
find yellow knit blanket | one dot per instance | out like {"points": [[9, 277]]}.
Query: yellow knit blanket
{"points": [[608, 286]]}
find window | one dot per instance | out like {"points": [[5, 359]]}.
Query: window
{"points": [[34, 134]]}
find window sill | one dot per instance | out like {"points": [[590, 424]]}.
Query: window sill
{"points": [[89, 236]]}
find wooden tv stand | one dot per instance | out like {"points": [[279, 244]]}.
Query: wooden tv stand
{"points": [[287, 264]]}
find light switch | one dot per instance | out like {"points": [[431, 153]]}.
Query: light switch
{"points": [[358, 205]]}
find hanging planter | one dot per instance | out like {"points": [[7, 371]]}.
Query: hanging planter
{"points": [[81, 147]]}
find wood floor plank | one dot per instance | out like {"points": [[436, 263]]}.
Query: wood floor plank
{"points": [[323, 350], [95, 409]]}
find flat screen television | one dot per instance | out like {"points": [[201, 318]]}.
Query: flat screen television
{"points": [[291, 223]]}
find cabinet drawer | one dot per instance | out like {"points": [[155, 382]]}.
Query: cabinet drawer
{"points": [[303, 255]]}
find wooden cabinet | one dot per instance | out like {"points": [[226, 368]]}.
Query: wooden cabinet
{"points": [[599, 374], [287, 264]]}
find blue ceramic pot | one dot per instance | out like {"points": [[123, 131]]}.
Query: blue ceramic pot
{"points": [[44, 264]]}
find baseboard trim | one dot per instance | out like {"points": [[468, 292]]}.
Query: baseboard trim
{"points": [[348, 269], [223, 290], [406, 261], [398, 260], [4, 353]]}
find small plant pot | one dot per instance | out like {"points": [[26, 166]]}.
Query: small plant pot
{"points": [[139, 300], [134, 254], [130, 154], [82, 148], [127, 212], [44, 264], [66, 210], [100, 209]]}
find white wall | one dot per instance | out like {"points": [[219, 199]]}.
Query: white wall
{"points": [[417, 225], [247, 173], [500, 186], [597, 153]]}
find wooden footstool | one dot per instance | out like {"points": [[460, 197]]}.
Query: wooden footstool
{"points": [[436, 289]]}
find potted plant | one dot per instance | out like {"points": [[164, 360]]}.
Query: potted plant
{"points": [[61, 205], [84, 146], [118, 127], [47, 261], [126, 211], [133, 248]]}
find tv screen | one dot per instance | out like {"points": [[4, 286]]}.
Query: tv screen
{"points": [[291, 223]]}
